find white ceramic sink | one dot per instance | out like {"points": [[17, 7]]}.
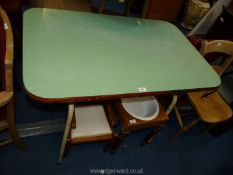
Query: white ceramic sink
{"points": [[143, 108]]}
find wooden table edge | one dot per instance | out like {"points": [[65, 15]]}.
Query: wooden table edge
{"points": [[109, 97]]}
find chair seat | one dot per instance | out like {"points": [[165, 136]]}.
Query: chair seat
{"points": [[211, 108], [91, 121]]}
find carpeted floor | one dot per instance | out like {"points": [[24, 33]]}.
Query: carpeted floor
{"points": [[194, 153]]}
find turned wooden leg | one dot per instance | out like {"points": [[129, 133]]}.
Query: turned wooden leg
{"points": [[11, 125], [184, 129]]}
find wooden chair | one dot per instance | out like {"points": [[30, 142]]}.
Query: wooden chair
{"points": [[90, 123], [210, 107], [6, 82], [129, 123]]}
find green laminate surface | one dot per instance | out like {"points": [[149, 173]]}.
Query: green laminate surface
{"points": [[76, 54]]}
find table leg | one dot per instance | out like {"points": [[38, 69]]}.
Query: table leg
{"points": [[172, 105], [66, 132]]}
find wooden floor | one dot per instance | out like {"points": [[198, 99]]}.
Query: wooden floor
{"points": [[80, 5]]}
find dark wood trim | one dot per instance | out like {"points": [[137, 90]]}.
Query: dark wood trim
{"points": [[91, 139], [108, 97], [125, 117]]}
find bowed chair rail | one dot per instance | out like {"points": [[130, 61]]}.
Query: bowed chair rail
{"points": [[6, 92]]}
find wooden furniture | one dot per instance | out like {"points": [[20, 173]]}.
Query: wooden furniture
{"points": [[10, 5], [163, 9], [101, 57], [90, 123], [129, 123], [222, 127], [80, 5], [210, 107], [6, 84]]}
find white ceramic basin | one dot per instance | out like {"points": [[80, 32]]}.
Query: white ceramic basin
{"points": [[143, 108]]}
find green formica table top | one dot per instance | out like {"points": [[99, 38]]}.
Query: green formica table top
{"points": [[74, 54]]}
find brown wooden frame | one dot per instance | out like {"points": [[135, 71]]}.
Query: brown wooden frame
{"points": [[79, 5], [127, 127], [106, 137], [6, 97], [71, 123], [204, 108], [110, 97]]}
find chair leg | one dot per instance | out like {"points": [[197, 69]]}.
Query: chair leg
{"points": [[151, 135], [11, 125], [184, 129], [114, 146], [178, 117], [109, 145], [66, 132], [5, 142], [209, 126], [67, 149], [172, 104]]}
